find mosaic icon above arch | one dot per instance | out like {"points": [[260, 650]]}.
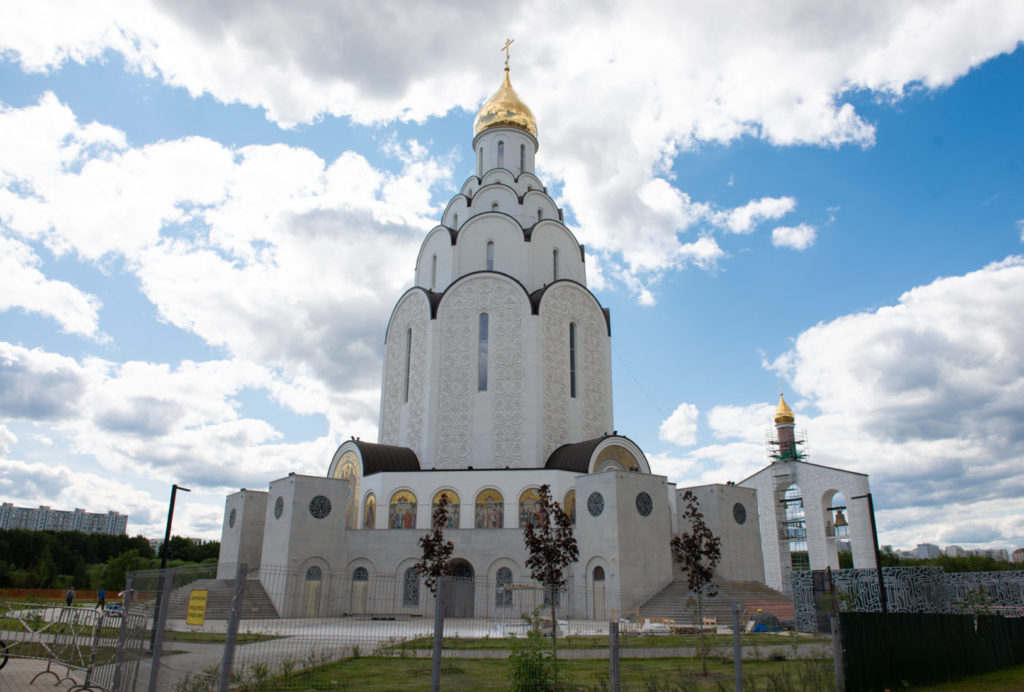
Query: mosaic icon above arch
{"points": [[569, 505], [490, 510], [349, 470], [402, 510], [370, 512], [454, 507], [529, 508], [617, 458]]}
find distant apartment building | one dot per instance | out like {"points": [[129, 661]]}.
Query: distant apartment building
{"points": [[955, 551], [1018, 555], [927, 551], [43, 518]]}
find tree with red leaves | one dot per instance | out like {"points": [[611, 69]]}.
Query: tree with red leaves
{"points": [[697, 552], [552, 547]]}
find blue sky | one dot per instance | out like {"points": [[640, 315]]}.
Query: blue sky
{"points": [[206, 216]]}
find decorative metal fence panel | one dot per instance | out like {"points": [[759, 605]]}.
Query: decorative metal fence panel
{"points": [[92, 648], [909, 590]]}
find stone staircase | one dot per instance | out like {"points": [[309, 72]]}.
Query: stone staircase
{"points": [[256, 604], [670, 602]]}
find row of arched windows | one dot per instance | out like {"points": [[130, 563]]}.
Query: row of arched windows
{"points": [[501, 158], [489, 509]]}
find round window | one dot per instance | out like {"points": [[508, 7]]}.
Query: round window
{"points": [[278, 507], [739, 513], [231, 518], [644, 504], [320, 506], [595, 504]]}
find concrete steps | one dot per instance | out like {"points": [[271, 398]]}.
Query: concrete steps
{"points": [[255, 602], [670, 602]]}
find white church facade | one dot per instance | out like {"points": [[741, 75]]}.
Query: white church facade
{"points": [[496, 380]]}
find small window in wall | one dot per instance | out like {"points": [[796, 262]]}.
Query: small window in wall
{"points": [[554, 265], [433, 273], [490, 255], [503, 588], [456, 222], [494, 206], [522, 158], [408, 362], [540, 215], [479, 162], [501, 154], [572, 360], [410, 588], [360, 574], [314, 573], [599, 573], [482, 355]]}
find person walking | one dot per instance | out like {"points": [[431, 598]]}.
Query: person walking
{"points": [[101, 598], [70, 596]]}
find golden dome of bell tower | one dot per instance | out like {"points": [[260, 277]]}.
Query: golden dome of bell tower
{"points": [[505, 108], [783, 414]]}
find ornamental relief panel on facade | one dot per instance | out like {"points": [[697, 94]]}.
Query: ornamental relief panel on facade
{"points": [[411, 314], [564, 304], [460, 324]]}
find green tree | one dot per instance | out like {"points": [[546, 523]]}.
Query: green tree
{"points": [[116, 568], [80, 575], [46, 569]]}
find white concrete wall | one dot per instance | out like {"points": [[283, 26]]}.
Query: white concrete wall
{"points": [[243, 542], [741, 542]]}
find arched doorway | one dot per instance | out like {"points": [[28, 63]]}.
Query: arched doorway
{"points": [[459, 592], [360, 585], [599, 607], [311, 592]]}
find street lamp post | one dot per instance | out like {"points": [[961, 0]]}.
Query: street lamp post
{"points": [[878, 560], [164, 549]]}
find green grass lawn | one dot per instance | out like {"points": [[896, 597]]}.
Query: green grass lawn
{"points": [[1005, 680], [373, 673]]}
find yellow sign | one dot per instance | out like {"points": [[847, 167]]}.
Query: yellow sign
{"points": [[196, 608]]}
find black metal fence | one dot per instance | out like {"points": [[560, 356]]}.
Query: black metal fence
{"points": [[893, 650]]}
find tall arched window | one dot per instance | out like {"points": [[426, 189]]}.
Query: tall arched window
{"points": [[554, 265], [522, 158], [490, 255], [796, 528], [408, 362], [456, 222], [503, 587], [433, 273], [540, 214], [482, 355], [410, 588], [479, 162], [572, 359], [501, 154]]}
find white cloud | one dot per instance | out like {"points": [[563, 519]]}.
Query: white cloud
{"points": [[681, 427], [796, 237], [926, 396], [724, 72], [7, 440], [1020, 226], [744, 219], [740, 422], [23, 286]]}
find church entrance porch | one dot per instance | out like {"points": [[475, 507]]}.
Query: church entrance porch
{"points": [[459, 591]]}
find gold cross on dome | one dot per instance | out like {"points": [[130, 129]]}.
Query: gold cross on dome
{"points": [[508, 42]]}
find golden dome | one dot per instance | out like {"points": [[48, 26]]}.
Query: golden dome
{"points": [[783, 414], [505, 109]]}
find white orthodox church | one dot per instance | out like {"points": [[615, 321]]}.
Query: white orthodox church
{"points": [[497, 379]]}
